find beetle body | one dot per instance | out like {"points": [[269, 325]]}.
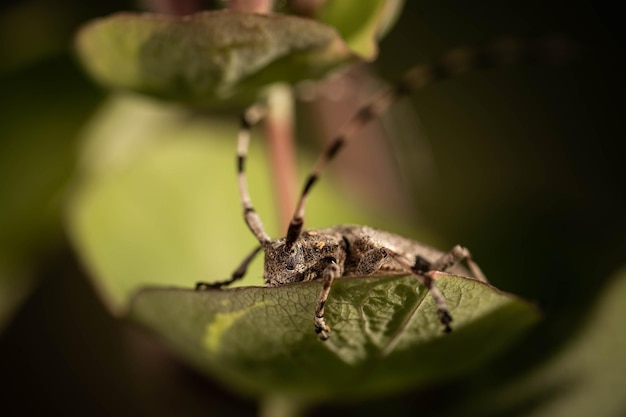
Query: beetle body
{"points": [[356, 250]]}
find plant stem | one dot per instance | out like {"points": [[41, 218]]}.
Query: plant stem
{"points": [[278, 129], [279, 406], [251, 6]]}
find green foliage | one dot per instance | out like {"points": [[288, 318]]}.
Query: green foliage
{"points": [[216, 59], [157, 203], [588, 377], [140, 217], [36, 163], [386, 334], [361, 23], [242, 336]]}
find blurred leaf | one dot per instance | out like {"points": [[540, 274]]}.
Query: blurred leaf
{"points": [[15, 283], [587, 378], [361, 23], [157, 200], [218, 59], [37, 145], [386, 334]]}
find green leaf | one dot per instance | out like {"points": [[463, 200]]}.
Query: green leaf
{"points": [[386, 334], [162, 209], [157, 203], [218, 59], [36, 164], [361, 22], [587, 377]]}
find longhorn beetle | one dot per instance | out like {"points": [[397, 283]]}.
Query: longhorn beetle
{"points": [[349, 250]]}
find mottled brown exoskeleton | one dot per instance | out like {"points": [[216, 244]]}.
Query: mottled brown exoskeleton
{"points": [[348, 250]]}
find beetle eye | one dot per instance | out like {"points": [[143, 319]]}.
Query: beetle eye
{"points": [[291, 263], [292, 259]]}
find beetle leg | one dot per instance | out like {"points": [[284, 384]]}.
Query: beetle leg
{"points": [[331, 272]]}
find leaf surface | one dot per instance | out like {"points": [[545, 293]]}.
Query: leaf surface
{"points": [[586, 377], [386, 334], [157, 201], [215, 59], [361, 22]]}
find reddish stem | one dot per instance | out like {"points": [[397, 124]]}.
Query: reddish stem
{"points": [[278, 129], [251, 6]]}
